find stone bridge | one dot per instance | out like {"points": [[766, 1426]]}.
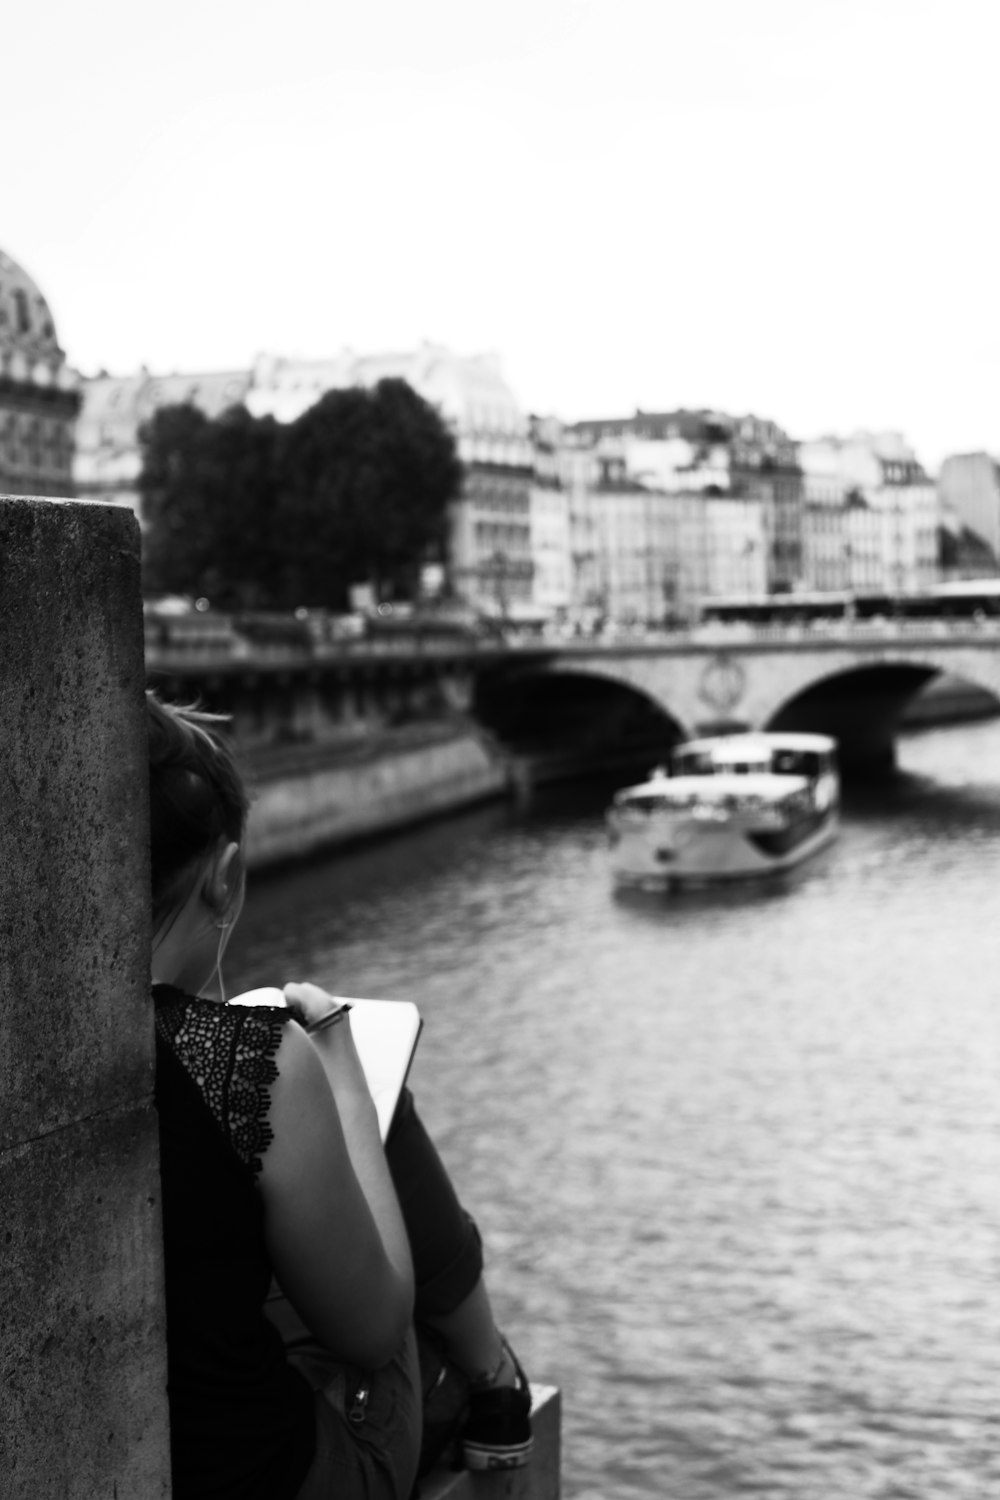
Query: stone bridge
{"points": [[578, 700], [853, 680]]}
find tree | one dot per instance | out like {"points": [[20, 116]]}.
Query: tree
{"points": [[252, 514], [368, 477], [210, 504]]}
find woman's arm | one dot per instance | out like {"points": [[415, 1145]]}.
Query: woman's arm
{"points": [[333, 1226]]}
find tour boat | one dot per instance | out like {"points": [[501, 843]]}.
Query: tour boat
{"points": [[726, 808]]}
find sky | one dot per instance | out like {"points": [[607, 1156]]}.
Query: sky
{"points": [[785, 207]]}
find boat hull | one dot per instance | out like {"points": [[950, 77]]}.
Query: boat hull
{"points": [[670, 852]]}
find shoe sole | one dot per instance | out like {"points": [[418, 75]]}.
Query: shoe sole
{"points": [[481, 1457]]}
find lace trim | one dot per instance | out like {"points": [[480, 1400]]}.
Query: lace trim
{"points": [[229, 1053]]}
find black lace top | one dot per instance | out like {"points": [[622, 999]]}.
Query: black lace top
{"points": [[230, 1055], [241, 1418]]}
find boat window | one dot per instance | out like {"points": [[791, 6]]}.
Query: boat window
{"points": [[798, 802], [797, 763], [643, 804], [695, 763]]}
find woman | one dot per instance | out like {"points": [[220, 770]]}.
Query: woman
{"points": [[272, 1168]]}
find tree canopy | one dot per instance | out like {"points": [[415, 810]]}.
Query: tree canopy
{"points": [[253, 514]]}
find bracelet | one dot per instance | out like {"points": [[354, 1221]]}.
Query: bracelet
{"points": [[490, 1377], [330, 1019]]}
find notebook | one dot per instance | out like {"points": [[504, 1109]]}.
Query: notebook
{"points": [[385, 1033]]}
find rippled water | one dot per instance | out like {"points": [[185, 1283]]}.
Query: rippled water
{"points": [[735, 1155]]}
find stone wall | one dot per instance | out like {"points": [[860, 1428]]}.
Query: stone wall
{"points": [[328, 806], [82, 1362]]}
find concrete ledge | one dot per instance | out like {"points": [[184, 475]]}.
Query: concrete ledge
{"points": [[539, 1480]]}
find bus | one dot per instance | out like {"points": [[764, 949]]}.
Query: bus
{"points": [[964, 599]]}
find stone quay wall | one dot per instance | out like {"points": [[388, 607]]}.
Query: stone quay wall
{"points": [[82, 1354], [309, 804]]}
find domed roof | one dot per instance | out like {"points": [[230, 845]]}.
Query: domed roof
{"points": [[26, 326]]}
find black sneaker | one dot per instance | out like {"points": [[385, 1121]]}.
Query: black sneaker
{"points": [[497, 1432]]}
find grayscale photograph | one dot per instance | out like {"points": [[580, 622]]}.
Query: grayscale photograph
{"points": [[500, 751]]}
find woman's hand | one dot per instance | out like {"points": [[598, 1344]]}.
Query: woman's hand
{"points": [[309, 1003]]}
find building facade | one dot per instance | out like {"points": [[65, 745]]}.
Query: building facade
{"points": [[748, 460], [551, 551], [841, 529], [764, 468], [969, 491], [108, 458], [631, 521], [39, 393], [491, 536], [871, 515]]}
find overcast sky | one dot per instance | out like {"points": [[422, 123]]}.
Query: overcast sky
{"points": [[787, 207]]}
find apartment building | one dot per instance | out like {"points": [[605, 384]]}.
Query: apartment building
{"points": [[871, 515], [969, 492], [491, 525], [748, 461]]}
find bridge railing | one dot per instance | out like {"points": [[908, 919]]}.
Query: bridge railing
{"points": [[214, 642], [210, 643], [852, 630]]}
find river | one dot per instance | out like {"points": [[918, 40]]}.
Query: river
{"points": [[735, 1155]]}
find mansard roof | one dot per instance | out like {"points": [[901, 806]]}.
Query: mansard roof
{"points": [[469, 390]]}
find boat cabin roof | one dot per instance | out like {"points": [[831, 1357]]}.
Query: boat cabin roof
{"points": [[708, 789], [756, 746]]}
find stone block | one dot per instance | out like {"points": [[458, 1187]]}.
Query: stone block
{"points": [[82, 1354], [82, 1339], [73, 942]]}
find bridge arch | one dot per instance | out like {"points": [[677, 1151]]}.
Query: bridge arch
{"points": [[901, 674], [574, 714], [863, 704]]}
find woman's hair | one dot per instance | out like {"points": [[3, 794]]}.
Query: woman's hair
{"points": [[196, 795]]}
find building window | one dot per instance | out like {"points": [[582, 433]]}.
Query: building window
{"points": [[23, 311]]}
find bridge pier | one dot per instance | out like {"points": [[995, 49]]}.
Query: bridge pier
{"points": [[722, 726]]}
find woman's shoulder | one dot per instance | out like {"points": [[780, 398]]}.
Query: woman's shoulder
{"points": [[230, 1053], [191, 1025]]}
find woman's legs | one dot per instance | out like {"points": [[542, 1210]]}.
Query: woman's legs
{"points": [[444, 1241], [471, 1379], [447, 1251]]}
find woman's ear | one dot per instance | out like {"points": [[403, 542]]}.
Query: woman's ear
{"points": [[222, 880]]}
